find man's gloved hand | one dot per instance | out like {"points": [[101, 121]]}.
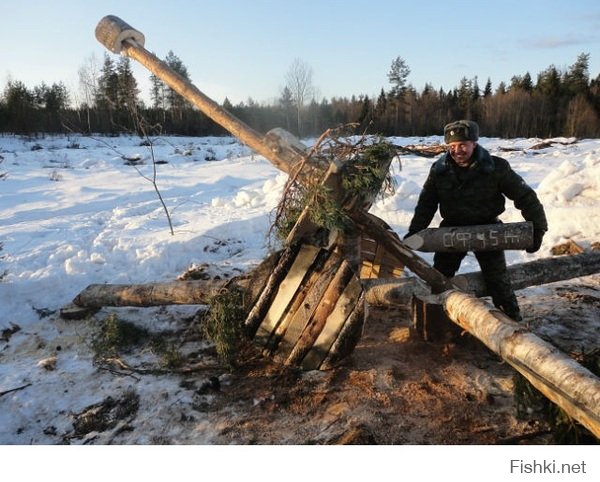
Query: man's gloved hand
{"points": [[538, 236], [407, 235]]}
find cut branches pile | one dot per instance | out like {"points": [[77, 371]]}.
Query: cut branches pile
{"points": [[359, 160]]}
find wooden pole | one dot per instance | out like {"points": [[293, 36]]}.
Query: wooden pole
{"points": [[283, 156], [489, 237], [276, 146]]}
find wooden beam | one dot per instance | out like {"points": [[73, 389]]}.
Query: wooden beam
{"points": [[430, 322], [285, 291], [321, 316], [299, 313], [345, 305]]}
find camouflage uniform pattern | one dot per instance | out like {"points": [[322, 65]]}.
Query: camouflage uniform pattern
{"points": [[476, 195]]}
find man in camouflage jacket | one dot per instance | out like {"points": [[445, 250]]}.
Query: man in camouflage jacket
{"points": [[470, 187]]}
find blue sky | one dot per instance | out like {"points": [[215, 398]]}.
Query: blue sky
{"points": [[243, 49]]}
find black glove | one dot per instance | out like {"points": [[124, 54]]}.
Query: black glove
{"points": [[538, 236]]}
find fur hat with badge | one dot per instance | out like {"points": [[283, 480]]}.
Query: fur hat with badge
{"points": [[460, 131]]}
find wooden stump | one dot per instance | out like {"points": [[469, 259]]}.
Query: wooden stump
{"points": [[430, 322]]}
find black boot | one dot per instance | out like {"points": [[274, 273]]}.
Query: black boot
{"points": [[511, 309]]}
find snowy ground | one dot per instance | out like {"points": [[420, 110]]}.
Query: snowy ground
{"points": [[73, 213]]}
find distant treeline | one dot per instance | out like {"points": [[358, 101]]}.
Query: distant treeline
{"points": [[556, 103]]}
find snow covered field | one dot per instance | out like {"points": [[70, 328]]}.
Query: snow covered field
{"points": [[73, 213]]}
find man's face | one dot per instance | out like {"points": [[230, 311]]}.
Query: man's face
{"points": [[462, 151]]}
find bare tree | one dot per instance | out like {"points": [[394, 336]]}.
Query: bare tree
{"points": [[89, 73], [299, 82]]}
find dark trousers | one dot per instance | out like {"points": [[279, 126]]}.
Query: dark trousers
{"points": [[493, 270]]}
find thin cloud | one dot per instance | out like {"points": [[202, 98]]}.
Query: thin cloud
{"points": [[592, 18], [552, 42]]}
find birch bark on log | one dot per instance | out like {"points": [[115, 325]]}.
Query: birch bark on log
{"points": [[538, 272], [560, 378]]}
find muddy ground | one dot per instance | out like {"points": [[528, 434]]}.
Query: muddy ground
{"points": [[394, 389], [398, 389]]}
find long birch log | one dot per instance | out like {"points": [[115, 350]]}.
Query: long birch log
{"points": [[487, 237], [535, 273], [560, 378], [398, 291], [194, 292]]}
